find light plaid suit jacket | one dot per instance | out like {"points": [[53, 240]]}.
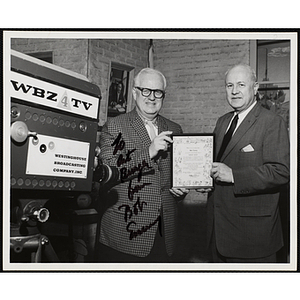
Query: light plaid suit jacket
{"points": [[130, 223]]}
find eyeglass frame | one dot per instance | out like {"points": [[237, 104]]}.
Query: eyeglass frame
{"points": [[151, 91]]}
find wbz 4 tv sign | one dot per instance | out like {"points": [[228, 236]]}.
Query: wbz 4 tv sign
{"points": [[54, 121]]}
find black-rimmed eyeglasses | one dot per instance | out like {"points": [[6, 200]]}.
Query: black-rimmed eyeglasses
{"points": [[158, 94]]}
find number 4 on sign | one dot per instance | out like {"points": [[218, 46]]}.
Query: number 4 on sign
{"points": [[65, 102]]}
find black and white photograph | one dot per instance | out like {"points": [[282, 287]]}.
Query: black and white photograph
{"points": [[89, 120]]}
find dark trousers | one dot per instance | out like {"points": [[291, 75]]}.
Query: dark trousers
{"points": [[158, 254], [218, 258]]}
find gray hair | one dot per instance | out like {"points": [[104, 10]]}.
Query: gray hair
{"points": [[136, 79]]}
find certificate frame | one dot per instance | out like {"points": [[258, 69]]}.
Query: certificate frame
{"points": [[192, 156]]}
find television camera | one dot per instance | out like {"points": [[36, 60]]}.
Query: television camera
{"points": [[54, 127]]}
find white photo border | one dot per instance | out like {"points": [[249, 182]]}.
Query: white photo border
{"points": [[168, 34]]}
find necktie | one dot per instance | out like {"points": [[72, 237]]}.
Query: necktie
{"points": [[227, 137], [150, 128]]}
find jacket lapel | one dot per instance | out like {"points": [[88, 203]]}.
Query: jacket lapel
{"points": [[243, 128], [139, 127], [162, 125]]}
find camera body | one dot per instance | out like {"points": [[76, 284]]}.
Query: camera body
{"points": [[54, 122]]}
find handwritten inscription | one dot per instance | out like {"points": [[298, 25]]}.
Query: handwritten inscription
{"points": [[137, 206], [134, 207], [125, 173], [118, 143], [135, 233], [123, 160], [137, 188]]}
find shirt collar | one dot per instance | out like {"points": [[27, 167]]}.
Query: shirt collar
{"points": [[154, 121], [245, 112]]}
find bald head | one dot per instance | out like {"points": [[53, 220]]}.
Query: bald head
{"points": [[243, 68]]}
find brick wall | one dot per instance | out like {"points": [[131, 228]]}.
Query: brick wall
{"points": [[90, 58], [195, 73], [70, 54], [102, 52]]}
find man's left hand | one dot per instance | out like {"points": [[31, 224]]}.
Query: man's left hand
{"points": [[221, 172], [179, 192]]}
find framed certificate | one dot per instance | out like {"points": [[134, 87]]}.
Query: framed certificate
{"points": [[192, 157]]}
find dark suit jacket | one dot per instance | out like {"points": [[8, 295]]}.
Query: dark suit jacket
{"points": [[130, 223], [245, 214]]}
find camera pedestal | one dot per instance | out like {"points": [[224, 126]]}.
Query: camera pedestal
{"points": [[37, 246]]}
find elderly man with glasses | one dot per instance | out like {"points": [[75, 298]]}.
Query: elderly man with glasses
{"points": [[139, 222]]}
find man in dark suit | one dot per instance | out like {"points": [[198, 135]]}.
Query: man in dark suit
{"points": [[139, 224], [243, 221]]}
